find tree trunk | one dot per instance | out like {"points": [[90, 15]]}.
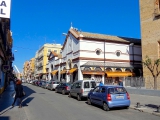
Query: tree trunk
{"points": [[155, 82]]}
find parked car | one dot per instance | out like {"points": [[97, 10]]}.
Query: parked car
{"points": [[52, 85], [81, 88], [45, 84], [63, 88], [109, 96]]}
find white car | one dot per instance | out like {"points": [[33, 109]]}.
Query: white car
{"points": [[52, 85]]}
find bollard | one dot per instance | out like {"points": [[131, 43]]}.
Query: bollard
{"points": [[158, 108], [138, 105]]}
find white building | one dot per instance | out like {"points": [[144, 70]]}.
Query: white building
{"points": [[97, 56]]}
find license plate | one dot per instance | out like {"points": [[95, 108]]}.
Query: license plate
{"points": [[119, 97]]}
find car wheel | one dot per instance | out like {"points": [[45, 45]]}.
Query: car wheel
{"points": [[63, 92], [105, 107], [78, 97], [89, 101], [56, 90], [127, 107], [69, 95]]}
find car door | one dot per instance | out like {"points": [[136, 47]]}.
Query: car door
{"points": [[72, 90], [101, 95], [94, 95]]}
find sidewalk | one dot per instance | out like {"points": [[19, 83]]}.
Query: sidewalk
{"points": [[147, 103], [7, 112]]}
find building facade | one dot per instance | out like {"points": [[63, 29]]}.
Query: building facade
{"points": [[42, 58], [150, 35], [6, 56], [97, 56]]}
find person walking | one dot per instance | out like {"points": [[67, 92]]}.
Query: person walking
{"points": [[100, 84], [19, 93]]}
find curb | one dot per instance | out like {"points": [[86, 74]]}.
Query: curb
{"points": [[141, 110]]}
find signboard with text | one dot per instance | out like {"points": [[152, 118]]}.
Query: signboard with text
{"points": [[5, 6]]}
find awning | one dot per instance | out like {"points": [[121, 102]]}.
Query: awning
{"points": [[93, 72], [54, 72], [63, 71], [107, 64], [72, 70], [119, 74]]}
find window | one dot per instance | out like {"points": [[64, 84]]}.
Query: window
{"points": [[86, 84], [118, 53], [98, 51], [78, 85], [93, 84], [55, 51], [97, 89], [49, 50], [157, 7]]}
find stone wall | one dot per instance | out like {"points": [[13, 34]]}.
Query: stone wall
{"points": [[150, 35]]}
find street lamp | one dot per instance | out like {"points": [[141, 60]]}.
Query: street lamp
{"points": [[132, 44], [104, 60]]}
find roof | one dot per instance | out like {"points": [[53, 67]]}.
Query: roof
{"points": [[77, 33], [107, 64]]}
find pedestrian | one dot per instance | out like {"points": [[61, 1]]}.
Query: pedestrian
{"points": [[19, 93], [100, 84], [120, 82]]}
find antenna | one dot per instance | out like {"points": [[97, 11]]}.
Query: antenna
{"points": [[71, 25]]}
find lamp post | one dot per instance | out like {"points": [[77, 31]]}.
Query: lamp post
{"points": [[104, 60], [132, 44]]}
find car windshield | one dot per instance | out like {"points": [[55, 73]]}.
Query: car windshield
{"points": [[117, 90], [93, 84]]}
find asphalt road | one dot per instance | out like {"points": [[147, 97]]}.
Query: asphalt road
{"points": [[42, 104]]}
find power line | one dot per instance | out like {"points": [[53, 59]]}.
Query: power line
{"points": [[24, 48]]}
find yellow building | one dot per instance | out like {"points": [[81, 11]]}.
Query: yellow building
{"points": [[25, 69], [42, 58], [150, 36]]}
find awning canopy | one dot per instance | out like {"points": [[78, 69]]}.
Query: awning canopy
{"points": [[93, 72], [54, 72], [119, 74], [107, 64], [63, 71], [72, 70]]}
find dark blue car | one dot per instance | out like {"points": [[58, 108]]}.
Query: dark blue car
{"points": [[109, 96]]}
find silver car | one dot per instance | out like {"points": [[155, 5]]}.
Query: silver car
{"points": [[52, 85], [81, 88]]}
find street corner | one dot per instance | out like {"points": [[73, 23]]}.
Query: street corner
{"points": [[145, 109]]}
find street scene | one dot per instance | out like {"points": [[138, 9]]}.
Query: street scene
{"points": [[80, 60]]}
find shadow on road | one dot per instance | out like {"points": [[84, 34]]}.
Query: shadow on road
{"points": [[4, 118], [6, 99]]}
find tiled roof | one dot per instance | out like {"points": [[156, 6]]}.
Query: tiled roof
{"points": [[107, 64], [77, 34]]}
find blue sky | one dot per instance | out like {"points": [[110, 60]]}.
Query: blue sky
{"points": [[35, 22]]}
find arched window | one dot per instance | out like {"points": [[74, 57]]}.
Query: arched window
{"points": [[98, 69], [118, 70], [128, 70], [108, 69], [87, 69]]}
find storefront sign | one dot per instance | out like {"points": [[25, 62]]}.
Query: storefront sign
{"points": [[5, 6], [5, 68]]}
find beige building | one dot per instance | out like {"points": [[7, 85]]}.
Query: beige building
{"points": [[150, 35], [42, 58], [25, 69]]}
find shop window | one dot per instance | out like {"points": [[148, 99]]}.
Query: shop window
{"points": [[86, 77], [157, 8]]}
